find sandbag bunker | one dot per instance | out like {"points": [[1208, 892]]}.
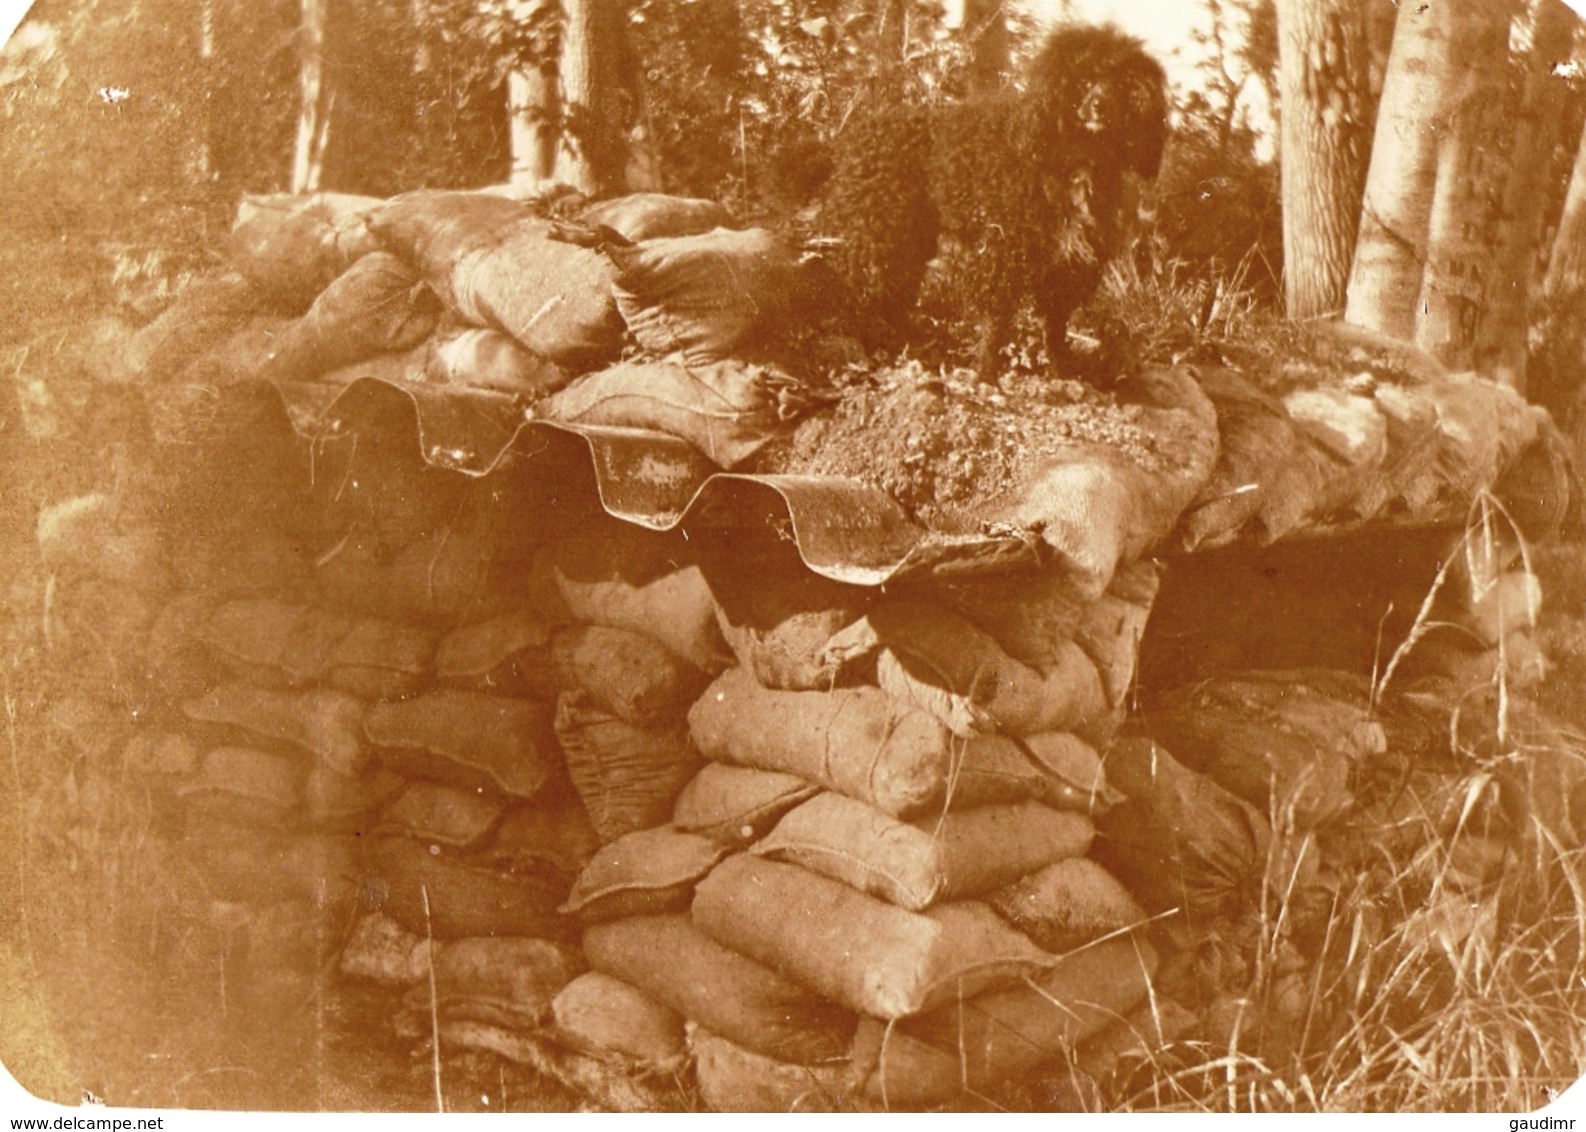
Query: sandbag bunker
{"points": [[668, 783]]}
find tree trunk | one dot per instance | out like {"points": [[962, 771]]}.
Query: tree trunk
{"points": [[1473, 147], [1566, 264], [594, 147], [1502, 333], [1390, 250], [1326, 92], [308, 155], [533, 110], [985, 30]]}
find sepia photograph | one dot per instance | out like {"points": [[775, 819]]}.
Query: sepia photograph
{"points": [[793, 556]]}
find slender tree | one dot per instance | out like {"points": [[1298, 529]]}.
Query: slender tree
{"points": [[1326, 122], [1474, 132], [313, 121], [1390, 249]]}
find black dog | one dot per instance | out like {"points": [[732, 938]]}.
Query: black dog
{"points": [[1027, 188]]}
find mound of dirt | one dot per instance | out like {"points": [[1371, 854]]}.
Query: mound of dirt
{"points": [[946, 446]]}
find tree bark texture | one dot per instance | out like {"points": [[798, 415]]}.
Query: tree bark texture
{"points": [[1566, 264], [594, 147], [1324, 68], [1390, 250], [1502, 332], [308, 154], [985, 30], [1474, 145]]}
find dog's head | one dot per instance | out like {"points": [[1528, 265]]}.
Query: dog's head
{"points": [[1101, 98]]}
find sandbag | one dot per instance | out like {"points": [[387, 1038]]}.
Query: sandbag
{"points": [[1111, 628], [653, 216], [204, 314], [1180, 840], [276, 641], [336, 801], [1282, 741], [709, 295], [90, 533], [647, 873], [978, 1043], [260, 866], [628, 777], [291, 247], [854, 949], [1074, 776], [467, 739], [734, 1079], [246, 787], [916, 864], [445, 578], [479, 358], [1067, 905], [627, 674], [627, 581], [377, 306], [383, 951], [509, 655], [727, 409], [435, 895], [790, 655], [326, 723], [499, 981], [442, 815], [1031, 614], [736, 804], [859, 742], [495, 265], [607, 1016], [945, 665], [551, 830], [676, 964]]}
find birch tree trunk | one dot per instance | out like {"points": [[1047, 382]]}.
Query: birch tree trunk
{"points": [[1390, 249], [1324, 69], [1473, 148], [308, 155], [1566, 264]]}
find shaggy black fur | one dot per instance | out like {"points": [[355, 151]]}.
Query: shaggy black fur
{"points": [[1027, 188]]}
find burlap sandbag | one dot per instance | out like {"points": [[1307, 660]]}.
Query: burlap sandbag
{"points": [[676, 964], [737, 804], [1286, 742], [281, 642], [383, 951], [630, 675], [442, 815], [734, 1079], [480, 358], [326, 723], [495, 264], [854, 949], [291, 247], [436, 895], [628, 777], [99, 535], [500, 981], [377, 306], [347, 803], [978, 1043], [626, 579], [467, 739], [443, 579], [727, 409], [708, 295], [509, 655], [646, 873], [654, 216], [916, 864], [608, 1017], [550, 830], [859, 742], [1109, 631], [944, 664], [1067, 905], [791, 655], [1180, 840], [246, 787]]}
